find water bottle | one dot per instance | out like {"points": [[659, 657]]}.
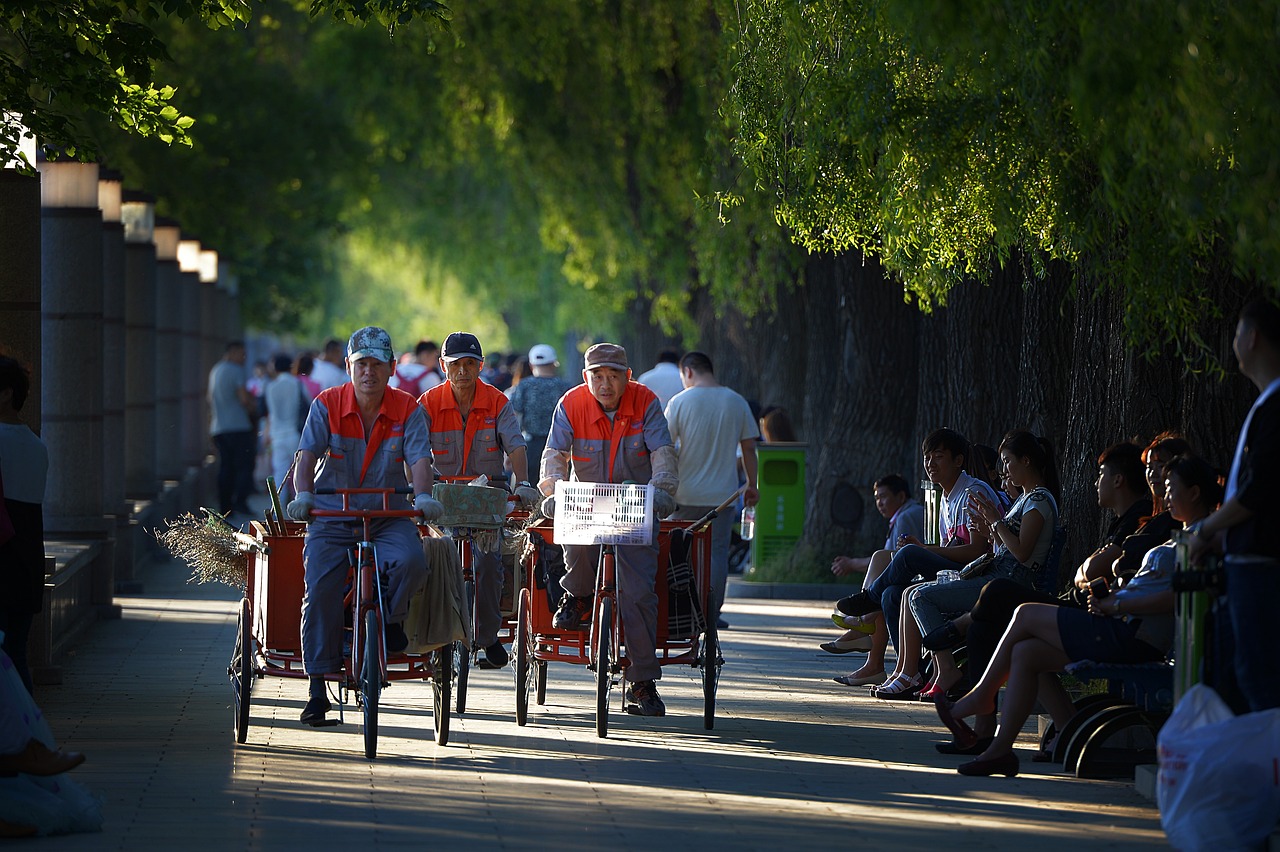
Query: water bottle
{"points": [[749, 523]]}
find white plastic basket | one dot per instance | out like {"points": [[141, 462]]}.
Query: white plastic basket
{"points": [[603, 513]]}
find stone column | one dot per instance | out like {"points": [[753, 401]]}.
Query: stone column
{"points": [[168, 353], [20, 279], [193, 384], [113, 344], [71, 348], [210, 346], [138, 211]]}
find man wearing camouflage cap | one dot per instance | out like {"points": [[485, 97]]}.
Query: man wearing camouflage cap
{"points": [[612, 429], [363, 434]]}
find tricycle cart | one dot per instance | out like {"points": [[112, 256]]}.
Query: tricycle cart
{"points": [[610, 514], [269, 638]]}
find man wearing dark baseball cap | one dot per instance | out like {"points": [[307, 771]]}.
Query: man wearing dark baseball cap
{"points": [[612, 429], [471, 428], [363, 434]]}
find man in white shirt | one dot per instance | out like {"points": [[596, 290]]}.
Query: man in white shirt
{"points": [[709, 424], [329, 370], [664, 378]]}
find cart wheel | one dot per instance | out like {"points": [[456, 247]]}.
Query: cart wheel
{"points": [[464, 653], [526, 665], [371, 682], [604, 677], [540, 690], [441, 683], [241, 671], [709, 661]]}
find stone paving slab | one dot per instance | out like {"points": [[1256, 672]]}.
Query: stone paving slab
{"points": [[795, 761]]}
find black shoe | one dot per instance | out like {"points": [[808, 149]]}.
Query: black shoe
{"points": [[944, 638], [860, 604], [317, 706], [953, 748], [495, 657], [721, 624], [397, 641], [572, 613], [643, 700]]}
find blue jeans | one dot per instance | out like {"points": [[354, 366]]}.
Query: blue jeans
{"points": [[1252, 592], [908, 563]]}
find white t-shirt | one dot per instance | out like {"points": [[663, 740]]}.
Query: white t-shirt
{"points": [[664, 380], [1035, 500], [708, 426], [284, 396], [328, 375], [24, 463], [955, 509]]}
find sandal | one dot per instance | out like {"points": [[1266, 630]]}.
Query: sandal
{"points": [[902, 686]]}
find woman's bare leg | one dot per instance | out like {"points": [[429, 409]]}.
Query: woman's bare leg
{"points": [[1030, 621]]}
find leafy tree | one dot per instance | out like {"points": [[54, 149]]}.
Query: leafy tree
{"points": [[62, 61], [1133, 142]]}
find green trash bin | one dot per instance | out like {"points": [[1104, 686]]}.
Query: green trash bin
{"points": [[780, 477]]}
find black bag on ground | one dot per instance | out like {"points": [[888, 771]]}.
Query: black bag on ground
{"points": [[685, 618]]}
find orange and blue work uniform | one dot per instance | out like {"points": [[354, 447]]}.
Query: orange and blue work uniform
{"points": [[350, 459], [597, 447], [469, 447]]}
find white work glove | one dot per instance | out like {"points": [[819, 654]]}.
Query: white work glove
{"points": [[528, 496], [299, 508], [430, 507], [663, 503], [549, 506]]}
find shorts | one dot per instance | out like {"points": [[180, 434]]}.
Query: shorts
{"points": [[1103, 639]]}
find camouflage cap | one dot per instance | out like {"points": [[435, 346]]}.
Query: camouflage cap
{"points": [[370, 342]]}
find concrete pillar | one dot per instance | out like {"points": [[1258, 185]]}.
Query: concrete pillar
{"points": [[209, 343], [71, 348], [193, 384], [140, 478], [20, 279], [113, 344], [168, 353]]}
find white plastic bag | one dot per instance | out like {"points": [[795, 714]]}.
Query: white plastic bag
{"points": [[1219, 781]]}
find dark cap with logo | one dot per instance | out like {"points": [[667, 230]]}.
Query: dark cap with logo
{"points": [[606, 355], [461, 344]]}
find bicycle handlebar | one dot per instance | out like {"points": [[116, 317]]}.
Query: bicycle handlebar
{"points": [[347, 512]]}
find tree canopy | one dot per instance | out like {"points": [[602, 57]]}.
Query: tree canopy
{"points": [[1134, 142]]}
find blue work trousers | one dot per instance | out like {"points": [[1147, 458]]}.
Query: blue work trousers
{"points": [[636, 570], [402, 566]]}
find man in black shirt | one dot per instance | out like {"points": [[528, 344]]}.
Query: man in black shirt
{"points": [[1247, 527]]}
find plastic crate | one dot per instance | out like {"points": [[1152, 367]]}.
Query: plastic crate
{"points": [[603, 513]]}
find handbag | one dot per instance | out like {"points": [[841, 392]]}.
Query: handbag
{"points": [[982, 565]]}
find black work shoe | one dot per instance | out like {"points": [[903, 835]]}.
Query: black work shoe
{"points": [[860, 604], [572, 613], [643, 700], [495, 657], [397, 641], [317, 706]]}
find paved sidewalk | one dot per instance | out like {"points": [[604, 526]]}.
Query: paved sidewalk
{"points": [[795, 761]]}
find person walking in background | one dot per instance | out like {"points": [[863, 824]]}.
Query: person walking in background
{"points": [[534, 399], [664, 378], [775, 426], [329, 370], [287, 405], [419, 374], [709, 423], [24, 468], [232, 430]]}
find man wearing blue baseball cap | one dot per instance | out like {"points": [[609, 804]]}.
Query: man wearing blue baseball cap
{"points": [[363, 434]]}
